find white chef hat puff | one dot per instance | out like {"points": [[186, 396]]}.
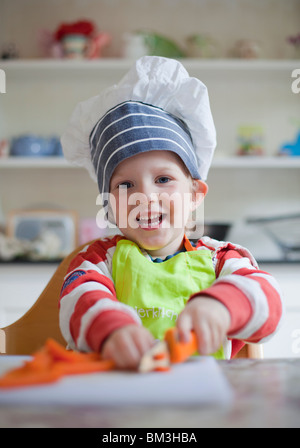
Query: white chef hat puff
{"points": [[158, 81]]}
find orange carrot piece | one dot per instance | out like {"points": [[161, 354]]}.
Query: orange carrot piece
{"points": [[180, 351], [159, 356], [40, 360], [60, 353], [25, 376], [162, 369], [52, 362], [66, 368]]}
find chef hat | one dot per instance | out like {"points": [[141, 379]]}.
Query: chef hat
{"points": [[156, 106]]}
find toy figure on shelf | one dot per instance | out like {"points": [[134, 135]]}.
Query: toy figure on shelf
{"points": [[78, 40]]}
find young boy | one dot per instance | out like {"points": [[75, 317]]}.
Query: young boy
{"points": [[148, 142]]}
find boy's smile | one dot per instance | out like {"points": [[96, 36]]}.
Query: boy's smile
{"points": [[150, 221], [154, 195]]}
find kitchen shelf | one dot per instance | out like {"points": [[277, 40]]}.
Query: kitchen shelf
{"points": [[218, 162], [108, 64], [242, 91], [256, 162], [32, 162]]}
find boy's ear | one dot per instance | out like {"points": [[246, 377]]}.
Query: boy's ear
{"points": [[200, 189]]}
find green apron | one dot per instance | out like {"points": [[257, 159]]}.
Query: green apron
{"points": [[159, 291]]}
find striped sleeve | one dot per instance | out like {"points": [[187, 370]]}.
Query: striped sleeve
{"points": [[252, 296], [89, 309]]}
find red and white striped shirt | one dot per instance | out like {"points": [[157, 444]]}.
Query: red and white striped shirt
{"points": [[90, 310]]}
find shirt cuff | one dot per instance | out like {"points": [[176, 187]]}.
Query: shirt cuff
{"points": [[104, 324]]}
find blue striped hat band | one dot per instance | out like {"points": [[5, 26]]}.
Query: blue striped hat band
{"points": [[131, 128]]}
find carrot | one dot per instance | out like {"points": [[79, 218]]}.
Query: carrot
{"points": [[180, 351], [40, 360], [66, 368], [27, 375], [162, 369], [52, 362], [59, 353], [160, 356], [32, 379]]}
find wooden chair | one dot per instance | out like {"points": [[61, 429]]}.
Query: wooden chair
{"points": [[252, 351], [41, 321]]}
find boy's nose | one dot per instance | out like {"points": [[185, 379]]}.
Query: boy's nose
{"points": [[149, 194]]}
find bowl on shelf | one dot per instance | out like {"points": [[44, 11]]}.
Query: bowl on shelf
{"points": [[35, 146]]}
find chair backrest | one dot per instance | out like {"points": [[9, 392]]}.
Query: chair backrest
{"points": [[41, 321], [253, 351]]}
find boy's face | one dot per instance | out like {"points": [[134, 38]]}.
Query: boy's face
{"points": [[153, 195]]}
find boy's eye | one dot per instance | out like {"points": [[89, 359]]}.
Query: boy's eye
{"points": [[163, 180], [125, 185]]}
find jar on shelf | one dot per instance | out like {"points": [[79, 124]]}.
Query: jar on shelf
{"points": [[74, 46]]}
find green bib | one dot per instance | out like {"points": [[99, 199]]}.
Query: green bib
{"points": [[159, 291]]}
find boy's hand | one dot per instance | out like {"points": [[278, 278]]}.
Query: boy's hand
{"points": [[127, 345], [209, 319]]}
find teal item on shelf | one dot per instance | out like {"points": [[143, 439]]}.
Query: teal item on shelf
{"points": [[292, 148]]}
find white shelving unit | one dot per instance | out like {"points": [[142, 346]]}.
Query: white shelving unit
{"points": [[239, 83], [42, 93], [35, 162], [125, 64]]}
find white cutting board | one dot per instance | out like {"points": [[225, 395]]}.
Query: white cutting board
{"points": [[198, 381]]}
